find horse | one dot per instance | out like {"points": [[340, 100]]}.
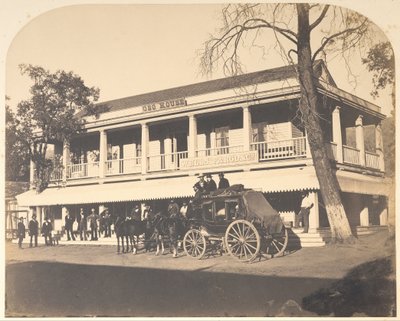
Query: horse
{"points": [[129, 230], [172, 227]]}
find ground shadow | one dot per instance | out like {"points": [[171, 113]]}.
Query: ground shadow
{"points": [[50, 289], [369, 289]]}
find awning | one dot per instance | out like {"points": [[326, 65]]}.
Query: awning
{"points": [[270, 181], [362, 184]]}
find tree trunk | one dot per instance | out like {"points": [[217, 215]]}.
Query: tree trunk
{"points": [[329, 185]]}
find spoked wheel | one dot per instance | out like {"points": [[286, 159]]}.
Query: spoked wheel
{"points": [[277, 243], [194, 244], [242, 240]]}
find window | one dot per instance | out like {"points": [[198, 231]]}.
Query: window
{"points": [[232, 210], [222, 140], [220, 211]]}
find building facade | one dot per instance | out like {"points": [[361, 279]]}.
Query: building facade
{"points": [[151, 147]]}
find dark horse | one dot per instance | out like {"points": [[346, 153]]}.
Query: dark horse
{"points": [[129, 230], [173, 228]]}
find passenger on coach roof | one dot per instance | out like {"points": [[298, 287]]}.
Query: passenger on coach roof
{"points": [[211, 186], [201, 184], [223, 182]]}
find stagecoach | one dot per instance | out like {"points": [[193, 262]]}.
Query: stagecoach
{"points": [[236, 220]]}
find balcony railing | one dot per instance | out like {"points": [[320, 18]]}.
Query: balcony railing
{"points": [[124, 166], [288, 148], [83, 170], [372, 160], [219, 151], [165, 162], [351, 155]]}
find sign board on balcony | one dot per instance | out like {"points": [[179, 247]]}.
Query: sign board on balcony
{"points": [[240, 158], [180, 102]]}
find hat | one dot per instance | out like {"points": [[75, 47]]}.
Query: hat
{"points": [[34, 216], [200, 176], [171, 201], [209, 175], [21, 218]]}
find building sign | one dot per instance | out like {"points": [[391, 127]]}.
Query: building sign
{"points": [[180, 102], [241, 158]]}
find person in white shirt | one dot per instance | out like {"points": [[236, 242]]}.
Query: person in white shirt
{"points": [[304, 213]]}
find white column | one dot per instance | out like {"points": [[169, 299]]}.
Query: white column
{"points": [[314, 213], [364, 216], [308, 151], [337, 134], [66, 159], [379, 146], [168, 153], [360, 139], [39, 215], [145, 142], [103, 154], [32, 168], [192, 136], [246, 128], [213, 143]]}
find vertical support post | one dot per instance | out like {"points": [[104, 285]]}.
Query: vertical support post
{"points": [[379, 146], [192, 136], [314, 213], [360, 139], [39, 215], [145, 141], [213, 143], [383, 215], [364, 213], [103, 155], [246, 128], [337, 134], [66, 160], [167, 163], [32, 168]]}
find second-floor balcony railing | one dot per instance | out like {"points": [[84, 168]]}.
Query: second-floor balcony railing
{"points": [[372, 160], [164, 162], [266, 151], [351, 155], [131, 165], [83, 170], [288, 148]]}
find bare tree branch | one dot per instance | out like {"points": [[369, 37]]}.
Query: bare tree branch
{"points": [[320, 18]]}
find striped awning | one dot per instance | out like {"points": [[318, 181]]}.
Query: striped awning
{"points": [[270, 181]]}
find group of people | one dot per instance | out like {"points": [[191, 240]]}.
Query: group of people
{"points": [[95, 224], [206, 184], [33, 230]]}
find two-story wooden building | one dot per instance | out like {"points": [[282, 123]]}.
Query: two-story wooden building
{"points": [[150, 148]]}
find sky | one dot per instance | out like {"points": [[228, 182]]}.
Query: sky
{"points": [[129, 49]]}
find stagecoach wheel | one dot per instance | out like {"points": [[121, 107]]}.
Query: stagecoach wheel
{"points": [[242, 240], [277, 243], [194, 244]]}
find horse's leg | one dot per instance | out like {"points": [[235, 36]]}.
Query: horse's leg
{"points": [[118, 248], [134, 249], [162, 245]]}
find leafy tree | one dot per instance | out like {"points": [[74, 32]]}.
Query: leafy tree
{"points": [[17, 157], [291, 28], [49, 116]]}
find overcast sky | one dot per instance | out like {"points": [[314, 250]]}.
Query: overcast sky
{"points": [[131, 49]]}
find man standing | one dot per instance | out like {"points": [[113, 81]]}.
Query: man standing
{"points": [[173, 209], [183, 210], [211, 186], [223, 182], [201, 184], [47, 227], [93, 225], [68, 226], [137, 213], [304, 213], [82, 225], [21, 232], [33, 227], [107, 223]]}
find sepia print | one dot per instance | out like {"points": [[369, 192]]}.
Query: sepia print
{"points": [[200, 160]]}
